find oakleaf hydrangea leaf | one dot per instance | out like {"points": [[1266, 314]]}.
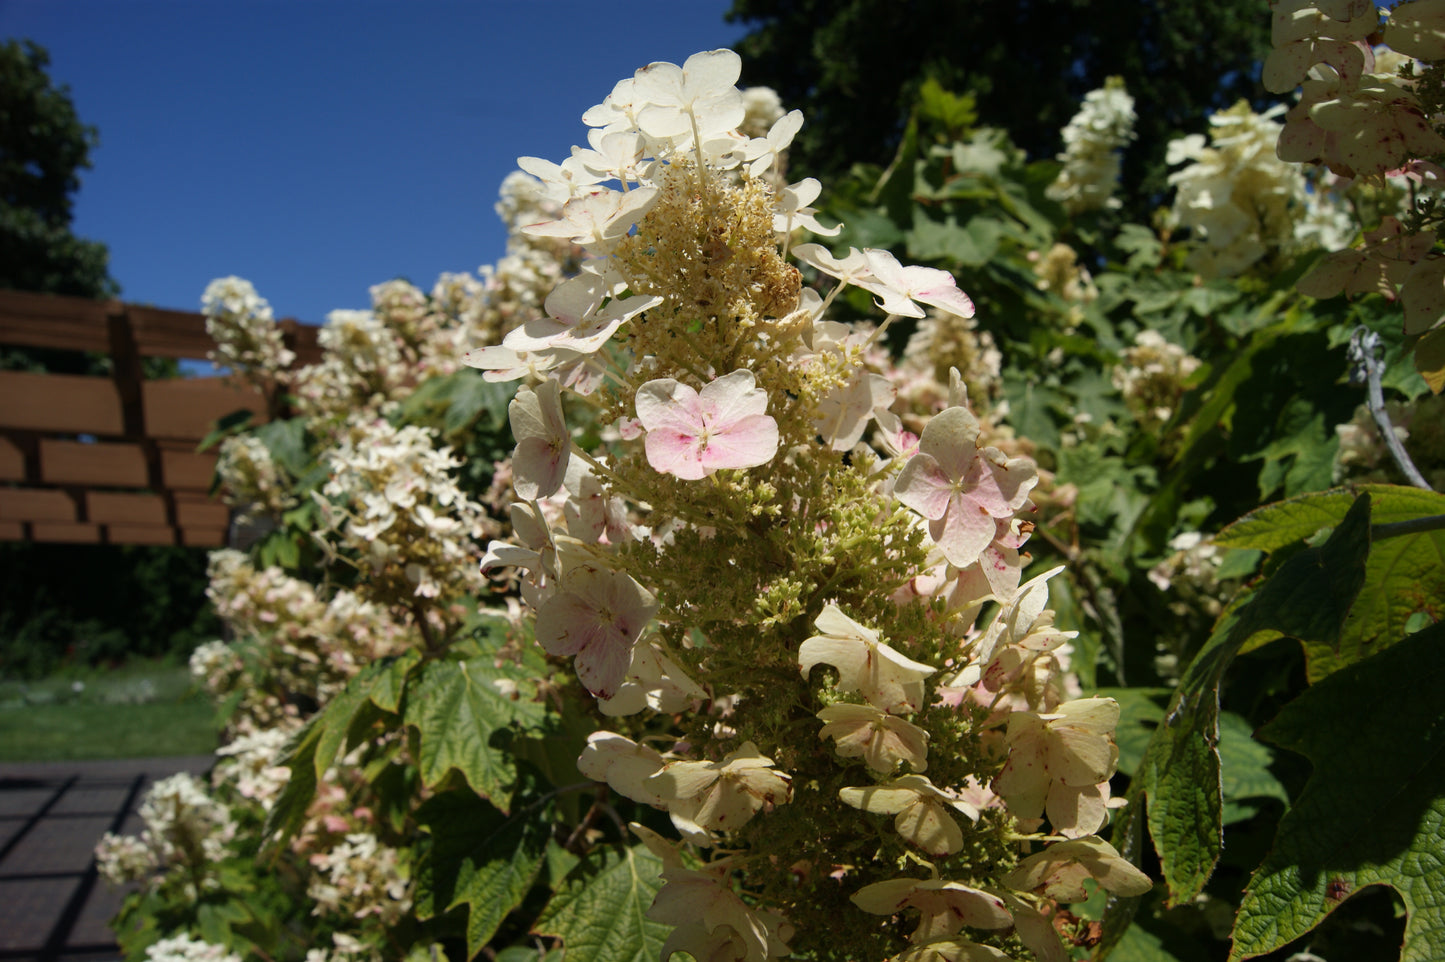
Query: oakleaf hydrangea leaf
{"points": [[458, 708], [600, 912], [1404, 574], [380, 684], [1372, 813], [480, 858], [1309, 598]]}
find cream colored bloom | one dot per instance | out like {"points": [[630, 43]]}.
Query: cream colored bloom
{"points": [[1058, 761], [924, 811], [722, 796], [1059, 871], [944, 907], [887, 679], [624, 765], [882, 740]]}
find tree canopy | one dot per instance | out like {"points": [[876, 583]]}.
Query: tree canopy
{"points": [[856, 66], [43, 148]]}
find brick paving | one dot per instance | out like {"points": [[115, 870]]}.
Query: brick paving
{"points": [[53, 906]]}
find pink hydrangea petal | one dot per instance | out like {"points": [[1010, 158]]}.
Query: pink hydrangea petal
{"points": [[675, 452], [538, 467], [924, 487], [565, 624], [601, 665], [963, 533], [747, 444]]}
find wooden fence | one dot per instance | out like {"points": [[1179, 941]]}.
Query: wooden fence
{"points": [[113, 460]]}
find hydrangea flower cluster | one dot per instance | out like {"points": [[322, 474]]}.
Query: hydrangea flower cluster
{"points": [[251, 481], [248, 342], [183, 948], [1151, 376], [1242, 203], [374, 358], [291, 645], [1350, 118], [249, 765], [360, 877], [1369, 113], [392, 506], [186, 833], [771, 587], [1093, 139]]}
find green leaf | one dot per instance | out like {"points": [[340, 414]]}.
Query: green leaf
{"points": [[1373, 811], [600, 912], [479, 858], [951, 111], [969, 245], [1430, 359], [1141, 244], [1405, 574], [286, 440], [464, 719], [316, 746], [1030, 404], [1307, 598], [1244, 768]]}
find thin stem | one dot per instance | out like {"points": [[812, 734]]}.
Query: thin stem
{"points": [[823, 308], [878, 331], [1365, 362], [1395, 529]]}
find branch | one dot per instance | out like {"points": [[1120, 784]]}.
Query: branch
{"points": [[1435, 522], [1366, 366]]}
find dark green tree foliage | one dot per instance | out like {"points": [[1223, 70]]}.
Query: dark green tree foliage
{"points": [[99, 604], [43, 147], [855, 68]]}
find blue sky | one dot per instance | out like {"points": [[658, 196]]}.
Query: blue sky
{"points": [[317, 147]]}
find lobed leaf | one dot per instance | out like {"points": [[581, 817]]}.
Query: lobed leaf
{"points": [[600, 912], [1372, 812], [459, 711], [379, 684], [1405, 574], [1308, 598], [480, 858]]}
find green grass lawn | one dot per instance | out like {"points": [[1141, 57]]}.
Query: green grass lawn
{"points": [[139, 710]]}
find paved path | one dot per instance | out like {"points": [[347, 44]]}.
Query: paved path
{"points": [[53, 907]]}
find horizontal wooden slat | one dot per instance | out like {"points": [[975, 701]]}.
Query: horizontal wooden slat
{"points": [[47, 320], [99, 463], [187, 470], [12, 531], [114, 507], [163, 333], [12, 461], [304, 342], [71, 532], [203, 537], [35, 504], [196, 512], [188, 408], [65, 403], [140, 534]]}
